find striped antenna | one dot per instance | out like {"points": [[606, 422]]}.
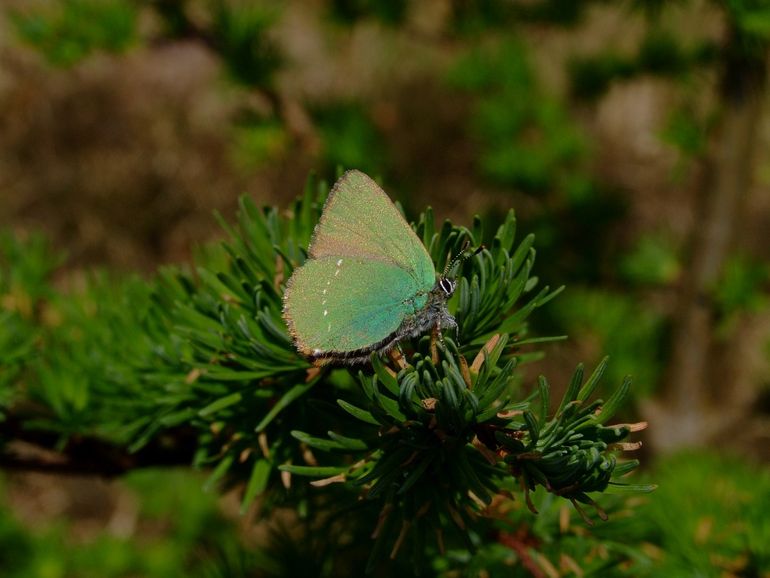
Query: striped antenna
{"points": [[460, 257]]}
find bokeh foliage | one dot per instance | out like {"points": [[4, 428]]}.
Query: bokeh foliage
{"points": [[75, 29], [171, 530]]}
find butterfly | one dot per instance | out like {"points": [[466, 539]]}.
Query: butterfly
{"points": [[368, 282]]}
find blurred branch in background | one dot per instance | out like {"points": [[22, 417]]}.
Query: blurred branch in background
{"points": [[46, 452], [696, 398]]}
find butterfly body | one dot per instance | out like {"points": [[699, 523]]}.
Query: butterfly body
{"points": [[368, 282]]}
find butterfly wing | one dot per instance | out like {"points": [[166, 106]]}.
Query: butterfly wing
{"points": [[359, 220], [344, 304]]}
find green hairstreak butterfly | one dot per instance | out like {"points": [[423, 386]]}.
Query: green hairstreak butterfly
{"points": [[368, 282]]}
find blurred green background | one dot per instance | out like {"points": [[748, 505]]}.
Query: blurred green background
{"points": [[630, 136]]}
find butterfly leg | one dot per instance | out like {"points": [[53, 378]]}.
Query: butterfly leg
{"points": [[439, 333], [450, 322], [445, 320]]}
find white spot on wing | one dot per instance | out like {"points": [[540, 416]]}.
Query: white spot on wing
{"points": [[326, 312]]}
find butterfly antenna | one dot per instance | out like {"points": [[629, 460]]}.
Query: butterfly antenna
{"points": [[451, 262], [461, 256]]}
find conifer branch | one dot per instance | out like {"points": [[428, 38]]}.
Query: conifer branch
{"points": [[198, 368]]}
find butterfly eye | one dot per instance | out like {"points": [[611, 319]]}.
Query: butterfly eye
{"points": [[447, 285]]}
